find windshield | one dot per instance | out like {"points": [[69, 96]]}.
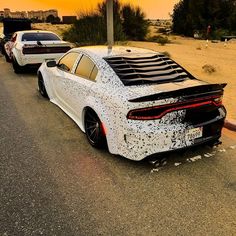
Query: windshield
{"points": [[40, 37]]}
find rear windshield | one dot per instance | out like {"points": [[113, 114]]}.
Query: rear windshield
{"points": [[40, 37], [147, 69]]}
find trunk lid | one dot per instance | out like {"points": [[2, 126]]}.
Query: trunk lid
{"points": [[46, 47]]}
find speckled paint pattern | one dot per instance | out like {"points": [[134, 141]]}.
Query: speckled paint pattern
{"points": [[109, 98]]}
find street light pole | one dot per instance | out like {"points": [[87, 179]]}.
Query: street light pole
{"points": [[110, 26]]}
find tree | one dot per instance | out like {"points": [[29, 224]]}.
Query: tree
{"points": [[91, 27], [52, 19], [118, 29], [134, 24], [190, 15]]}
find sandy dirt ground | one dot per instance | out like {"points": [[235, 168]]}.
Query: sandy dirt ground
{"points": [[58, 29], [193, 55]]}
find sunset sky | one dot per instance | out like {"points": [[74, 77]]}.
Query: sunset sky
{"points": [[153, 8]]}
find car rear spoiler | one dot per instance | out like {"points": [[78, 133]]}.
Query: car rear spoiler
{"points": [[185, 93]]}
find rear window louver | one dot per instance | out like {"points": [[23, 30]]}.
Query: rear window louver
{"points": [[149, 69]]}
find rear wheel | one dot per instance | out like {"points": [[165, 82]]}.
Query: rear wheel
{"points": [[41, 86], [17, 68], [5, 54], [2, 49], [94, 129], [7, 57]]}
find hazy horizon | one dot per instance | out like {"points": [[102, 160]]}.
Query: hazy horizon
{"points": [[154, 9]]}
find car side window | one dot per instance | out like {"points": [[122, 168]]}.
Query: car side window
{"points": [[66, 63], [86, 68]]}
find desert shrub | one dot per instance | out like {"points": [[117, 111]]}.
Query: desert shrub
{"points": [[162, 40], [90, 28], [167, 54], [162, 30], [53, 19], [134, 24], [217, 34], [119, 34], [209, 69]]}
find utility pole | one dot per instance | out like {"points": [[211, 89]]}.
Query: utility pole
{"points": [[110, 25]]}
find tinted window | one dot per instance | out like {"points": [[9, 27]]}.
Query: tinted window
{"points": [[86, 68], [94, 73], [67, 62], [138, 69], [40, 37]]}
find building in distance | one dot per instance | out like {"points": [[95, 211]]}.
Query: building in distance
{"points": [[42, 15], [39, 15]]}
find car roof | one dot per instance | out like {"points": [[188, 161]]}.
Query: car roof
{"points": [[102, 51], [135, 66]]}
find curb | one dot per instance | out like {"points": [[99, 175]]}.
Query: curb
{"points": [[230, 124]]}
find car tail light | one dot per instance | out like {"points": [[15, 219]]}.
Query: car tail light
{"points": [[44, 50], [157, 112], [104, 130]]}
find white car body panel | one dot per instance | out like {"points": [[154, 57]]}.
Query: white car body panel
{"points": [[14, 49], [108, 97]]}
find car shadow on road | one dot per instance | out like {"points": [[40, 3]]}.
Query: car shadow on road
{"points": [[165, 159]]}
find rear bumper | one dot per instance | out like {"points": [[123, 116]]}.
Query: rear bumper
{"points": [[209, 138], [34, 59], [141, 141]]}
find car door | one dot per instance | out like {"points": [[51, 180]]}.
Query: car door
{"points": [[83, 78], [61, 79]]}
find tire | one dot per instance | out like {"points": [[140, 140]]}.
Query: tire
{"points": [[2, 50], [17, 68], [7, 57], [41, 86], [94, 130]]}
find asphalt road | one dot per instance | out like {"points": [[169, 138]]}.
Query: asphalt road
{"points": [[52, 182]]}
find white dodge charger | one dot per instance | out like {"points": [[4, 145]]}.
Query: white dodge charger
{"points": [[136, 102], [32, 47]]}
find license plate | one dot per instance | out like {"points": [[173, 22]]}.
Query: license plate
{"points": [[194, 133]]}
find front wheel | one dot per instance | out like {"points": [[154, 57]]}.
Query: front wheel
{"points": [[41, 86], [94, 129]]}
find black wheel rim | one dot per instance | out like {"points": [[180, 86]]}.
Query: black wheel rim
{"points": [[93, 127]]}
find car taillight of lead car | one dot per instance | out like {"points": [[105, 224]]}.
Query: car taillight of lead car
{"points": [[157, 112], [44, 49]]}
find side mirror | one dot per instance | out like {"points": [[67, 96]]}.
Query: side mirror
{"points": [[51, 63]]}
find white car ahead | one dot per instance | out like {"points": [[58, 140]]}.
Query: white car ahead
{"points": [[32, 47], [137, 101]]}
